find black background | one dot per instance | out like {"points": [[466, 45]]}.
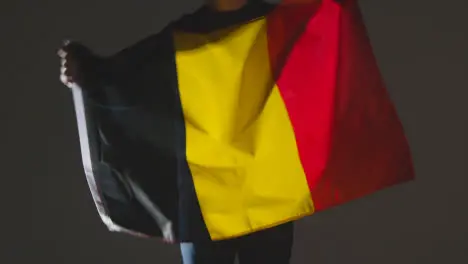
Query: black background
{"points": [[422, 47]]}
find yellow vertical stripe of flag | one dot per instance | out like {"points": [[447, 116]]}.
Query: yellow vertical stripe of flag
{"points": [[241, 147]]}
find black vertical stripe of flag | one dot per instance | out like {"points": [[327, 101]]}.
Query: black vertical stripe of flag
{"points": [[140, 137]]}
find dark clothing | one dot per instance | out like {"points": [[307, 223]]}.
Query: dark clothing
{"points": [[271, 246]]}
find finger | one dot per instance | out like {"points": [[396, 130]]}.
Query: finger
{"points": [[62, 53], [69, 64], [71, 47], [77, 50], [65, 80], [70, 71], [65, 77], [68, 47], [67, 73]]}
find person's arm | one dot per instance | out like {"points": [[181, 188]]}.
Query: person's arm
{"points": [[103, 78]]}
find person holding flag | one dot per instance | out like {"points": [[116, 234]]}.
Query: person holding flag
{"points": [[233, 122]]}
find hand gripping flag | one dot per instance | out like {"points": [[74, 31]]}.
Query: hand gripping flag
{"points": [[226, 124]]}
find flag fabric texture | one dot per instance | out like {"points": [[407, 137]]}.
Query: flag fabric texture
{"points": [[225, 124]]}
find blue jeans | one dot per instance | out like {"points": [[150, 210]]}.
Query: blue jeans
{"points": [[271, 246]]}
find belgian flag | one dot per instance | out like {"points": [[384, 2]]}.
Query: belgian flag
{"points": [[229, 123]]}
